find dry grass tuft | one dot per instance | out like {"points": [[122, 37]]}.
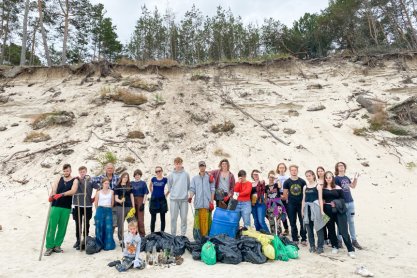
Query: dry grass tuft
{"points": [[360, 131], [221, 153], [137, 134], [128, 97], [379, 119], [129, 159], [62, 118], [224, 127], [144, 85], [36, 137]]}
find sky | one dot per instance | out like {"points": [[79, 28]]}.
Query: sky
{"points": [[125, 13]]}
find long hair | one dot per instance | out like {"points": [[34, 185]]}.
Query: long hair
{"points": [[285, 166], [317, 171], [336, 171], [224, 160], [326, 184], [312, 173], [121, 178]]}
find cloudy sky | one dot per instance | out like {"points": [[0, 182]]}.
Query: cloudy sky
{"points": [[126, 12]]}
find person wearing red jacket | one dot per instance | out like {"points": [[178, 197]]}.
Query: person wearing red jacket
{"points": [[242, 190]]}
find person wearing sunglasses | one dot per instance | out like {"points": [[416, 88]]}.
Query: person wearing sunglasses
{"points": [[158, 202]]}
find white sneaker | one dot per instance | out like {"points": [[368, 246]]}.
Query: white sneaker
{"points": [[335, 251], [352, 255]]}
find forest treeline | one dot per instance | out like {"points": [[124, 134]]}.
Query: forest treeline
{"points": [[54, 32]]}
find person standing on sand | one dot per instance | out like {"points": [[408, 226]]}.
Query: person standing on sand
{"points": [[202, 189], [104, 202], [140, 193], [275, 208], [312, 212], [61, 199], [178, 187], [334, 207], [281, 178], [113, 179], [224, 182], [242, 190], [258, 199], [158, 202], [124, 201], [320, 181], [293, 193], [346, 184], [84, 183]]}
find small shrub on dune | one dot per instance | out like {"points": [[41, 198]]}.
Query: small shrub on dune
{"points": [[224, 127], [128, 97], [37, 137], [137, 134]]}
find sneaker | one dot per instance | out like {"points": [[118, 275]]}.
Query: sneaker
{"points": [[320, 251], [48, 252], [304, 243], [364, 272], [335, 251], [356, 244], [76, 244], [340, 244], [286, 232], [352, 255], [57, 249], [312, 249], [327, 242]]}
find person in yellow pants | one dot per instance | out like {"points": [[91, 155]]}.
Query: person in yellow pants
{"points": [[202, 189], [61, 197]]}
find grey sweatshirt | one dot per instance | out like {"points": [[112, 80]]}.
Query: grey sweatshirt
{"points": [[179, 185], [202, 190], [86, 182], [132, 245]]}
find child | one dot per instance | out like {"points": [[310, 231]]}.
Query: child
{"points": [[140, 193], [131, 250], [243, 190]]}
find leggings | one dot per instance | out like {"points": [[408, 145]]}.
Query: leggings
{"points": [[153, 220]]}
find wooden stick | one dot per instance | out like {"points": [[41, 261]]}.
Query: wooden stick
{"points": [[12, 155], [46, 227], [85, 212], [79, 222], [71, 142]]}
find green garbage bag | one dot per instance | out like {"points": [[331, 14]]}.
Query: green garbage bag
{"points": [[292, 251], [280, 249], [208, 253]]}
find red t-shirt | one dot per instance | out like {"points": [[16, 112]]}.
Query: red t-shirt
{"points": [[244, 190]]}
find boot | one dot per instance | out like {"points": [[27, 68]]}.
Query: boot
{"points": [[77, 245], [356, 244]]}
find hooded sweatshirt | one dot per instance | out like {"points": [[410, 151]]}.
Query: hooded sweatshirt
{"points": [[179, 185]]}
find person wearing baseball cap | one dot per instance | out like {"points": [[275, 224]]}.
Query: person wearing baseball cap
{"points": [[202, 190]]}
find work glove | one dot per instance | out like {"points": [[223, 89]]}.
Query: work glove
{"points": [[93, 199], [190, 199], [211, 178], [142, 207], [51, 199], [57, 196], [225, 199], [211, 206]]}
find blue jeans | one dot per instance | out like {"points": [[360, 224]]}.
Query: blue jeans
{"points": [[259, 213], [350, 214], [244, 210]]}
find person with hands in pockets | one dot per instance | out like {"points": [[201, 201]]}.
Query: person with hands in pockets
{"points": [[202, 189]]}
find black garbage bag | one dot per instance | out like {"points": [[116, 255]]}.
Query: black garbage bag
{"points": [[251, 250], [232, 204], [143, 244], [195, 249], [91, 246], [179, 246], [287, 241], [162, 241], [226, 249]]}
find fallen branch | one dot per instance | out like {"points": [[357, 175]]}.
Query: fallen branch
{"points": [[132, 106], [130, 149], [230, 101], [109, 140], [12, 155], [332, 258], [71, 142]]}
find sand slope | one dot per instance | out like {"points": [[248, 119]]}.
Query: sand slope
{"points": [[385, 197]]}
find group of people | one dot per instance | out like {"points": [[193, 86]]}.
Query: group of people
{"points": [[320, 204]]}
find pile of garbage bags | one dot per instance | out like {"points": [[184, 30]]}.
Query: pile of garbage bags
{"points": [[252, 246], [164, 241]]}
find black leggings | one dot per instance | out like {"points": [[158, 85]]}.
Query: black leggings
{"points": [[89, 212], [153, 220], [341, 221]]}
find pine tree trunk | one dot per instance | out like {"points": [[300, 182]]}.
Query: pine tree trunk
{"points": [[24, 35], [410, 24], [5, 37], [44, 39], [32, 51], [64, 42]]}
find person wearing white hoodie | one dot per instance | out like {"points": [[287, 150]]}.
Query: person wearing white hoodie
{"points": [[178, 187]]}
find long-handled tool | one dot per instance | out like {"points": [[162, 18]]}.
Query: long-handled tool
{"points": [[85, 209], [123, 215], [46, 227], [79, 222]]}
